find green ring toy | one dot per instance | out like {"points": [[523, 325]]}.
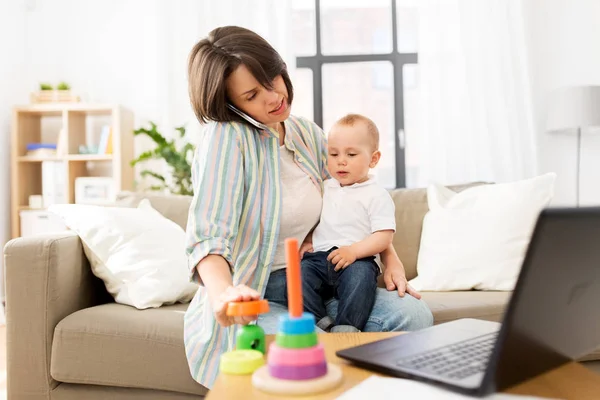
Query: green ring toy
{"points": [[251, 337], [296, 341]]}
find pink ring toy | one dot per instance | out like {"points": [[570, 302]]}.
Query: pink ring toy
{"points": [[296, 357], [303, 372]]}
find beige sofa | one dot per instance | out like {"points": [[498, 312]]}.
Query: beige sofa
{"points": [[67, 339]]}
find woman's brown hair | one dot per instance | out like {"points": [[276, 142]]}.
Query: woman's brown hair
{"points": [[215, 57]]}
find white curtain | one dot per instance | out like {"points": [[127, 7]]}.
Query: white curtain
{"points": [[271, 19], [474, 109]]}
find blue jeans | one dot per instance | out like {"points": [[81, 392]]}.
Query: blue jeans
{"points": [[354, 287], [390, 313]]}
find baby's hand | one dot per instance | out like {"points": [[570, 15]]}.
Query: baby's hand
{"points": [[307, 246], [342, 257]]}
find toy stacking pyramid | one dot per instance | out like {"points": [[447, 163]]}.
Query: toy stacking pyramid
{"points": [[296, 361]]}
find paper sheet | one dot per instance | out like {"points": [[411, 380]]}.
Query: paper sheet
{"points": [[376, 387]]}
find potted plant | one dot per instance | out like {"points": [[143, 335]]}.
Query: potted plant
{"points": [[177, 158], [63, 86], [48, 94]]}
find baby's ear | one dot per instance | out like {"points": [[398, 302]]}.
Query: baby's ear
{"points": [[375, 159]]}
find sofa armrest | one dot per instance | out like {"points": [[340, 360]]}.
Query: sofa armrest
{"points": [[47, 278]]}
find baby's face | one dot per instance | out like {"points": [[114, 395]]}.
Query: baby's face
{"points": [[350, 154]]}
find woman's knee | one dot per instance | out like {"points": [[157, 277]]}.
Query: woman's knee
{"points": [[394, 313]]}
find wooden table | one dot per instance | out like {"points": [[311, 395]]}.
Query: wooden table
{"points": [[571, 381]]}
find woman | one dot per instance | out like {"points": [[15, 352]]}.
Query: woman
{"points": [[253, 188]]}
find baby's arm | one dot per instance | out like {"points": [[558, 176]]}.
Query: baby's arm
{"points": [[372, 245]]}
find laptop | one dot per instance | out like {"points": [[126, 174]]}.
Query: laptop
{"points": [[553, 317]]}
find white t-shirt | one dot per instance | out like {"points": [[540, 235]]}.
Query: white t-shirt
{"points": [[302, 204], [352, 213]]}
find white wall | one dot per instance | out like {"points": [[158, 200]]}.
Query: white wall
{"points": [[563, 49], [110, 52], [12, 82]]}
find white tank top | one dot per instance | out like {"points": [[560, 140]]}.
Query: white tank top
{"points": [[301, 205]]}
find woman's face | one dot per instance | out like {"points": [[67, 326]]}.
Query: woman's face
{"points": [[267, 106]]}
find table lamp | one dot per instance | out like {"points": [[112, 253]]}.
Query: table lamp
{"points": [[572, 110]]}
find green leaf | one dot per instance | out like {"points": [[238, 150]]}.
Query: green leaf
{"points": [[152, 133], [147, 155], [153, 174], [177, 159]]}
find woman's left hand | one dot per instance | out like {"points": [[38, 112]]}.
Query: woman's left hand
{"points": [[395, 278]]}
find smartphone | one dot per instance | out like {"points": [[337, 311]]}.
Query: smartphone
{"points": [[248, 118]]}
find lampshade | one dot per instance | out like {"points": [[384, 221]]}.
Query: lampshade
{"points": [[572, 107]]}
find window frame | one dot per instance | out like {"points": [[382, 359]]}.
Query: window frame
{"points": [[398, 60]]}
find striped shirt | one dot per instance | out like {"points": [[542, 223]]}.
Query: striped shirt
{"points": [[236, 213]]}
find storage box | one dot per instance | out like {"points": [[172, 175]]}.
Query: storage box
{"points": [[35, 222]]}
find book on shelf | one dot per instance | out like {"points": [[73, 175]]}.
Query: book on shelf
{"points": [[105, 145], [53, 183]]}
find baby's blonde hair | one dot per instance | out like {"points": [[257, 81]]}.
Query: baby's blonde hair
{"points": [[372, 131]]}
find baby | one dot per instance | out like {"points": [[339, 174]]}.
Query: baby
{"points": [[357, 223]]}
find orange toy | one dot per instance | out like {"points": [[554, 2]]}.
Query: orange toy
{"points": [[294, 284], [246, 308]]}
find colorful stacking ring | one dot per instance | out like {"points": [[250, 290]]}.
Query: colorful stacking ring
{"points": [[298, 373], [296, 357], [296, 341], [241, 362], [297, 326], [245, 308]]}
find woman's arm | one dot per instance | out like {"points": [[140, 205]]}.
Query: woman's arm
{"points": [[394, 275], [214, 215], [214, 272]]}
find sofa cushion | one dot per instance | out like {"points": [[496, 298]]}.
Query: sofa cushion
{"points": [[411, 207], [448, 306], [137, 252], [118, 345]]}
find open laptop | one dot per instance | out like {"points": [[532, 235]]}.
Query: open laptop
{"points": [[553, 317]]}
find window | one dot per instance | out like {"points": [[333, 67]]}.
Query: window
{"points": [[354, 54]]}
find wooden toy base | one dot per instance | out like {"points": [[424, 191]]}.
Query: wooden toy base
{"points": [[265, 382]]}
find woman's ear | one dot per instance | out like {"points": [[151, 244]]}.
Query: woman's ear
{"points": [[375, 159]]}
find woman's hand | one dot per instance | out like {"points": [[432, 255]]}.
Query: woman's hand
{"points": [[395, 278], [307, 247], [234, 293]]}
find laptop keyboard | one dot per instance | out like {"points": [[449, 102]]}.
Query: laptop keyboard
{"points": [[456, 361]]}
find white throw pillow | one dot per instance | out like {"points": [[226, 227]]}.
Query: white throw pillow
{"points": [[138, 253], [477, 239]]}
